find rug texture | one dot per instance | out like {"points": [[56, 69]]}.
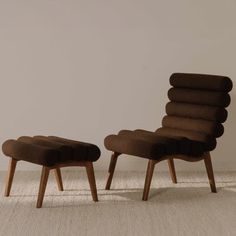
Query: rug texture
{"points": [[187, 208]]}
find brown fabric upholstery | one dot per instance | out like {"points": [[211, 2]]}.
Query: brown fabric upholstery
{"points": [[193, 122], [64, 151], [133, 146], [150, 145], [201, 97], [82, 150], [202, 82], [41, 155], [208, 141], [153, 138], [196, 111], [49, 151], [198, 125], [173, 144], [197, 107]]}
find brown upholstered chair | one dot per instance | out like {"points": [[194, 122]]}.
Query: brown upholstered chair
{"points": [[52, 153], [194, 120]]}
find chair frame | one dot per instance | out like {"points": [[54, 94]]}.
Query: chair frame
{"points": [[151, 166], [44, 178]]}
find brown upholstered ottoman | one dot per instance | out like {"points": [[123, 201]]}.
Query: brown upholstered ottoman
{"points": [[52, 153]]}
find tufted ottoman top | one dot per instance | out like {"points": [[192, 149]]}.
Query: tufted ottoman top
{"points": [[50, 150]]}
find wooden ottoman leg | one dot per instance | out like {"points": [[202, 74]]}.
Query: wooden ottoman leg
{"points": [[91, 179], [42, 186], [111, 170], [58, 177], [10, 175]]}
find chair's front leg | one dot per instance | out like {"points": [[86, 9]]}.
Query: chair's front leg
{"points": [[42, 186], [210, 173], [149, 174], [91, 179], [10, 175], [111, 170]]}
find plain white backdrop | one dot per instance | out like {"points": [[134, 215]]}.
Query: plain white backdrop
{"points": [[83, 69]]}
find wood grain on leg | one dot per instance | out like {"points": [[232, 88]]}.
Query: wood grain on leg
{"points": [[172, 170], [91, 179], [42, 186], [111, 170], [10, 175], [149, 174], [210, 172], [58, 177]]}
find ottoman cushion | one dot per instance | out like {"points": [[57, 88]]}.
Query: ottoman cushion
{"points": [[49, 151]]}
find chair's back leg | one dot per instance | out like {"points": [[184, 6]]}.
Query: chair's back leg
{"points": [[58, 177], [172, 170], [111, 170], [42, 186], [149, 174], [92, 181], [10, 175], [209, 169]]}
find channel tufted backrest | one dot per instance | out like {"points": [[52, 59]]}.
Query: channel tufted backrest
{"points": [[197, 107]]}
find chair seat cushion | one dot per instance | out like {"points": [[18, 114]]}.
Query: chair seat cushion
{"points": [[209, 142], [150, 145], [49, 151]]}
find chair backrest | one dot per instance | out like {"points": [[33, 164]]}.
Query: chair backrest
{"points": [[197, 107]]}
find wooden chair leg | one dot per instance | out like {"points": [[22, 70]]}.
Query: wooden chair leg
{"points": [[172, 170], [92, 182], [42, 186], [111, 170], [210, 172], [10, 175], [149, 174], [58, 177]]}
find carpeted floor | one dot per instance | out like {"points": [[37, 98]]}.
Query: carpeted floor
{"points": [[188, 208]]}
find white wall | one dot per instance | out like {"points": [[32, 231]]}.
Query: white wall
{"points": [[84, 69]]}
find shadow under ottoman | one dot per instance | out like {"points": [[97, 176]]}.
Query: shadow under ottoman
{"points": [[52, 153]]}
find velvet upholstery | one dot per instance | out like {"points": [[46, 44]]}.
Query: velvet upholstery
{"points": [[150, 145], [201, 82], [200, 97], [204, 112], [195, 114], [49, 151], [196, 125], [209, 142]]}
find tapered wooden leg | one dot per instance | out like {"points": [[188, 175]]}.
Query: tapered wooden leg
{"points": [[42, 186], [172, 170], [111, 170], [210, 173], [10, 175], [149, 174], [58, 177], [91, 179]]}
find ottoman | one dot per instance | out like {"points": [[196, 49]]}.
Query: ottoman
{"points": [[51, 153]]}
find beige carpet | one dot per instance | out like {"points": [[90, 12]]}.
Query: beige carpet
{"points": [[187, 208]]}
